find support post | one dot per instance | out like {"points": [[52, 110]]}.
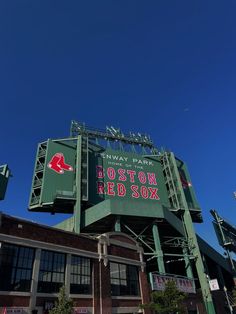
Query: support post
{"points": [[77, 207], [188, 224], [187, 261], [158, 250], [117, 224]]}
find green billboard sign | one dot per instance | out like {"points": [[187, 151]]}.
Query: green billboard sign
{"points": [[187, 185], [54, 176], [125, 175]]}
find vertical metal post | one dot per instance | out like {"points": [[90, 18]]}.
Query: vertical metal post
{"points": [[117, 224], [77, 207], [158, 250], [187, 261], [188, 224]]}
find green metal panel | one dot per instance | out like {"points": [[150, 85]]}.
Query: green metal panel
{"points": [[4, 177], [191, 235], [125, 175], [132, 208], [54, 177], [189, 192], [67, 225], [77, 208]]}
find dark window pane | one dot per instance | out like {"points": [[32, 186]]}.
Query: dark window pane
{"points": [[124, 279], [51, 272], [80, 275], [15, 267]]}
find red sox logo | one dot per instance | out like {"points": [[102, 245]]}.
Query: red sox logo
{"points": [[57, 164]]}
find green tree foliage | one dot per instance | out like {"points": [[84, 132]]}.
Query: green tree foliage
{"points": [[64, 305], [169, 301]]}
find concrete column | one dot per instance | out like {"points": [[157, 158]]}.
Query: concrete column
{"points": [[35, 276], [67, 274]]}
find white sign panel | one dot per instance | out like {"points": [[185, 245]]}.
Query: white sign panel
{"points": [[183, 284], [214, 285]]}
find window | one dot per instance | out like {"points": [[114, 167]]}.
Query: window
{"points": [[51, 272], [80, 278], [124, 279], [16, 264]]}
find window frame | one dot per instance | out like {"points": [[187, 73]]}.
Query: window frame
{"points": [[20, 269], [48, 266], [81, 274], [124, 290]]}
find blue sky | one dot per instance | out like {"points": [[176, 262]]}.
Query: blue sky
{"points": [[167, 68]]}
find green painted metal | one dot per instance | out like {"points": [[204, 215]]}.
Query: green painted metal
{"points": [[67, 225], [187, 261], [77, 207], [209, 251], [188, 189], [128, 197], [53, 186], [111, 134], [131, 208], [192, 235], [4, 177], [116, 174], [118, 224], [225, 231], [159, 252]]}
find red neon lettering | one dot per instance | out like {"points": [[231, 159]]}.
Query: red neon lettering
{"points": [[131, 174], [154, 195], [142, 177], [144, 192], [121, 189], [135, 193], [152, 178], [100, 172], [111, 173], [122, 177], [110, 187], [100, 187]]}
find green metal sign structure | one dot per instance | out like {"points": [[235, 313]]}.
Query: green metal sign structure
{"points": [[123, 175], [111, 181], [54, 177], [4, 177]]}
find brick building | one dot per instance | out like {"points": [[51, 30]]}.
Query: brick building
{"points": [[104, 274]]}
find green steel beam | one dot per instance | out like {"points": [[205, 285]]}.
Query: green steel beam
{"points": [[187, 261], [117, 224], [195, 248], [159, 252], [77, 207]]}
